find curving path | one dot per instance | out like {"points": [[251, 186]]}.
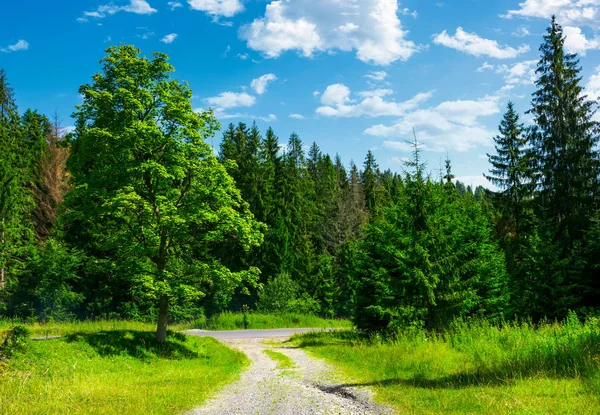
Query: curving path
{"points": [[310, 388]]}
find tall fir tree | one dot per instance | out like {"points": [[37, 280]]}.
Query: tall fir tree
{"points": [[564, 138]]}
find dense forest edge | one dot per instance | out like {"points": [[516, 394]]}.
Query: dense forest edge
{"points": [[133, 216]]}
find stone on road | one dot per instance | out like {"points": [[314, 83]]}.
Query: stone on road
{"points": [[310, 388]]}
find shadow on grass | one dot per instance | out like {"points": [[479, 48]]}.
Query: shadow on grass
{"points": [[137, 344]]}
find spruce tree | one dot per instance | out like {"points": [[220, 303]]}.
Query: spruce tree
{"points": [[370, 181], [15, 197], [510, 171], [564, 139]]}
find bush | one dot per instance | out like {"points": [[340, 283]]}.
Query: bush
{"points": [[281, 295], [13, 340]]}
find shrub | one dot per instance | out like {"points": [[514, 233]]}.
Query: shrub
{"points": [[13, 340]]}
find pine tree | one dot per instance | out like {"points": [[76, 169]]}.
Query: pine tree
{"points": [[15, 198], [370, 183], [565, 139], [510, 171]]}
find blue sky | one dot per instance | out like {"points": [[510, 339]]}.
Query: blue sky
{"points": [[351, 75]]}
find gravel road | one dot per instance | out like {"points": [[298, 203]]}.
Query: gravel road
{"points": [[310, 388]]}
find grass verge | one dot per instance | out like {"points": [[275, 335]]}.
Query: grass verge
{"points": [[223, 321], [116, 372], [283, 361], [235, 321], [477, 368]]}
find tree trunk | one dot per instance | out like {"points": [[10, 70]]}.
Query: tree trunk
{"points": [[163, 317]]}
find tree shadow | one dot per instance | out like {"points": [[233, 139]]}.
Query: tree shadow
{"points": [[137, 344]]}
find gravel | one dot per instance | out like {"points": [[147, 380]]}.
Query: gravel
{"points": [[310, 388]]}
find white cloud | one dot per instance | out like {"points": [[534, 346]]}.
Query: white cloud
{"points": [[337, 103], [268, 118], [576, 42], [592, 88], [485, 67], [259, 85], [569, 12], [134, 6], [348, 28], [174, 5], [452, 125], [370, 27], [377, 75], [20, 45], [336, 94], [520, 73], [232, 100], [217, 8], [474, 45], [297, 116], [522, 31], [242, 56], [408, 12], [169, 38]]}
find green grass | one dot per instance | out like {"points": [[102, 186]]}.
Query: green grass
{"points": [[122, 371], [235, 321], [477, 368], [223, 321], [38, 329], [283, 361]]}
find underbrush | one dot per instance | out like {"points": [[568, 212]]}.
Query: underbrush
{"points": [[121, 371], [475, 367]]}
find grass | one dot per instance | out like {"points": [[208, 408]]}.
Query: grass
{"points": [[223, 321], [102, 370], [235, 321], [475, 368], [283, 361]]}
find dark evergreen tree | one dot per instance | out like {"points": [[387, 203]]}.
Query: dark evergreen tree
{"points": [[564, 141]]}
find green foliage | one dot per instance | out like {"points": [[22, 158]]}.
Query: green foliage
{"points": [[14, 340], [282, 295], [149, 194], [52, 274], [428, 258]]}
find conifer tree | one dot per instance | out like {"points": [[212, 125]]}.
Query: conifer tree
{"points": [[510, 171], [564, 139], [15, 198], [370, 183]]}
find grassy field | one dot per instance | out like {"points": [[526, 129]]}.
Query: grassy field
{"points": [[107, 370], [224, 321], [477, 368], [283, 361]]}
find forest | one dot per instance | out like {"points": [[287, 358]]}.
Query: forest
{"points": [[132, 215]]}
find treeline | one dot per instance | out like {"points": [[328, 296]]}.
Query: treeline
{"points": [[132, 215]]}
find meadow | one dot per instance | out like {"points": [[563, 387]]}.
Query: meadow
{"points": [[120, 371], [474, 367], [117, 367]]}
